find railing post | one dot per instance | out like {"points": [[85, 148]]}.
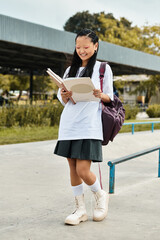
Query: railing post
{"points": [[112, 178], [112, 164], [133, 128], [159, 165], [152, 127]]}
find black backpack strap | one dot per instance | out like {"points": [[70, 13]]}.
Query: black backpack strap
{"points": [[101, 73]]}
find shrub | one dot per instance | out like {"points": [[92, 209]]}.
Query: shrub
{"points": [[130, 111], [153, 111], [7, 116], [29, 115], [53, 113]]}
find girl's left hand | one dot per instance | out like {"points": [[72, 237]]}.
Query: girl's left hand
{"points": [[97, 93]]}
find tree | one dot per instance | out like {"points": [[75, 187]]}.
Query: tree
{"points": [[121, 32], [151, 39], [78, 21], [43, 84], [125, 23], [4, 83], [108, 28], [20, 83], [150, 87], [85, 20]]}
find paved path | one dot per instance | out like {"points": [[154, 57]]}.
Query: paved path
{"points": [[35, 195]]}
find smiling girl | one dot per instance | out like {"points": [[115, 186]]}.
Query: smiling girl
{"points": [[80, 129]]}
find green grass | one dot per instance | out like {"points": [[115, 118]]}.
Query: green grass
{"points": [[28, 134], [33, 134], [140, 127]]}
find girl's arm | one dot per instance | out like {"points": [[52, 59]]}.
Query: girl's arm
{"points": [[63, 98], [65, 95], [107, 94], [99, 94]]}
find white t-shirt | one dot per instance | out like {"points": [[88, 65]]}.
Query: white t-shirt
{"points": [[83, 119]]}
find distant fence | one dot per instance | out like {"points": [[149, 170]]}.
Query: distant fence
{"points": [[138, 123], [112, 164]]}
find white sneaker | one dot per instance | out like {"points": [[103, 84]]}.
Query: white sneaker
{"points": [[80, 214], [101, 207]]}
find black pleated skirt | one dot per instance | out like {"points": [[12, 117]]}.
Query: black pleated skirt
{"points": [[85, 149]]}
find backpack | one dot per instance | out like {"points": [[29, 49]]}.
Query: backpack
{"points": [[113, 113]]}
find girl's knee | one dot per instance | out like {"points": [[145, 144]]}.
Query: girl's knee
{"points": [[82, 171]]}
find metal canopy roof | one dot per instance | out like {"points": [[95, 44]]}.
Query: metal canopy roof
{"points": [[15, 56], [28, 46]]}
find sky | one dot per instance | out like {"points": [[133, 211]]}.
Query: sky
{"points": [[54, 13]]}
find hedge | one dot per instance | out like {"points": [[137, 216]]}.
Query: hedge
{"points": [[130, 111], [30, 115], [153, 111], [41, 115]]}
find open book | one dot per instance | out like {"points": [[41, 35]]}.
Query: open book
{"points": [[81, 87]]}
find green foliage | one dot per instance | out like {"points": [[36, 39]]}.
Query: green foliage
{"points": [[4, 82], [18, 82], [130, 112], [107, 27], [120, 32], [41, 84], [7, 116], [151, 39], [30, 115], [153, 111], [150, 87], [86, 20], [119, 85], [93, 21], [80, 20]]}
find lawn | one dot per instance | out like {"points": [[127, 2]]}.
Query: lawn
{"points": [[33, 134], [28, 134], [140, 127]]}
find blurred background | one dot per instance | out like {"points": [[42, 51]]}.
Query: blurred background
{"points": [[36, 34]]}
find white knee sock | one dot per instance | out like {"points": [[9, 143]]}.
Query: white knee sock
{"points": [[77, 190], [95, 187]]}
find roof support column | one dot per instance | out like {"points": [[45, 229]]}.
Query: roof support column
{"points": [[31, 87]]}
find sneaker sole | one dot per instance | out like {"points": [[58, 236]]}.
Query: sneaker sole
{"points": [[84, 218], [100, 218]]}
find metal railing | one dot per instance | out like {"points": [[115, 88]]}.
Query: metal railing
{"points": [[138, 123], [112, 164]]}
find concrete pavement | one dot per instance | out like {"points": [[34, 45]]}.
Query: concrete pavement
{"points": [[35, 193]]}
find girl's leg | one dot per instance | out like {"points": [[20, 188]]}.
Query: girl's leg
{"points": [[76, 181], [80, 170], [83, 171], [101, 197], [79, 215], [74, 178]]}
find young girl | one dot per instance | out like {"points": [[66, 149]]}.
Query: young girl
{"points": [[80, 130]]}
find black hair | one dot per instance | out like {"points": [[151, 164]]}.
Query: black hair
{"points": [[77, 62]]}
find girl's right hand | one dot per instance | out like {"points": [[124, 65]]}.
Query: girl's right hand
{"points": [[65, 95]]}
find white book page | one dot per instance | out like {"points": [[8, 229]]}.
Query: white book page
{"points": [[82, 89], [58, 80]]}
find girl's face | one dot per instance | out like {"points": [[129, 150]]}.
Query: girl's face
{"points": [[85, 49]]}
